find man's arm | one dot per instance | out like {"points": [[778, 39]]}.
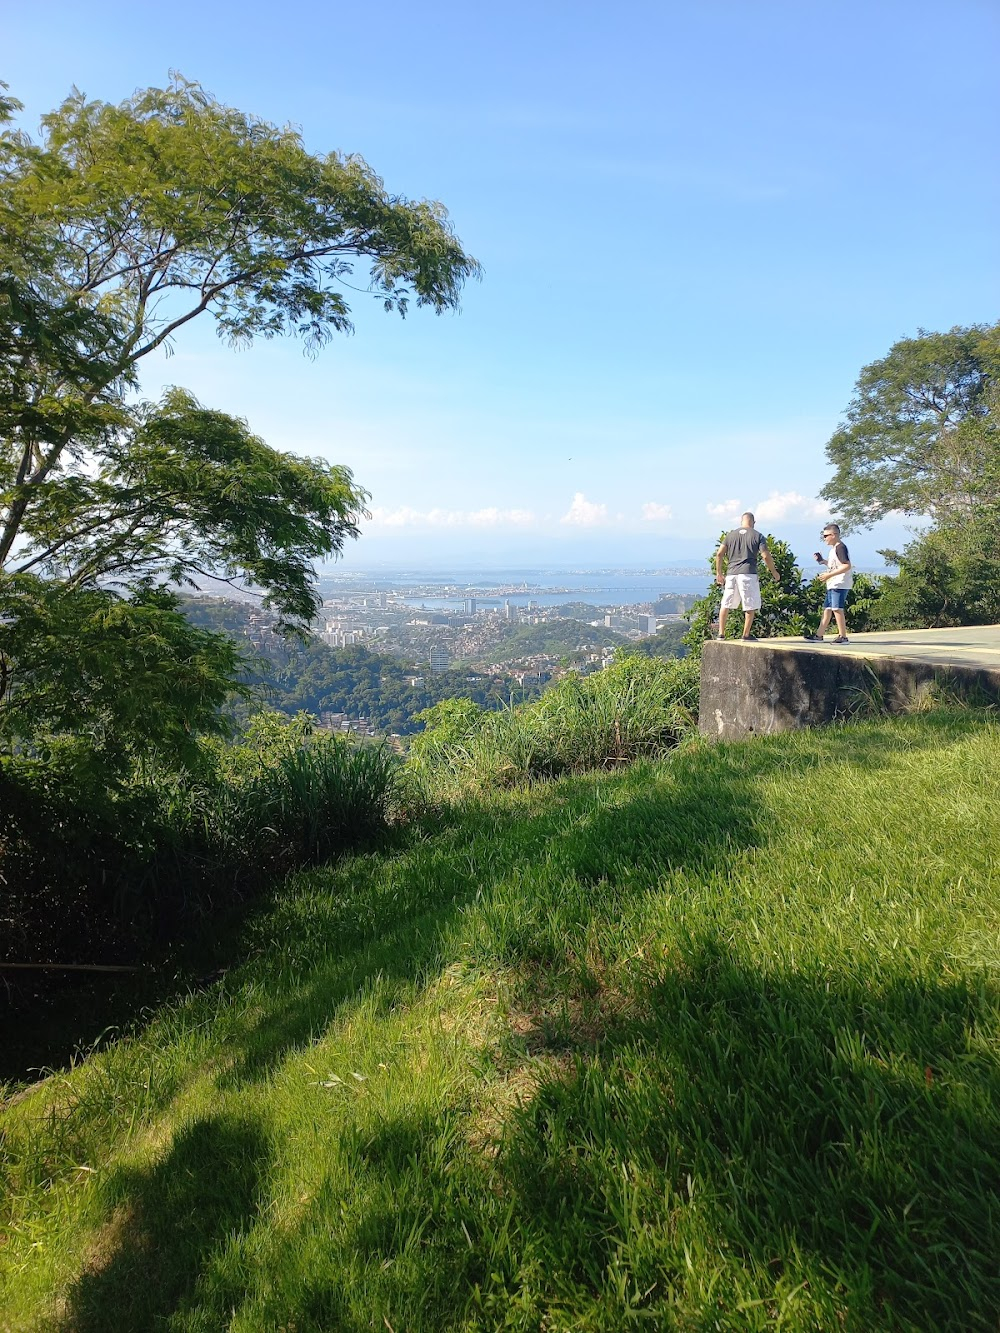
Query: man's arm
{"points": [[768, 559], [720, 555]]}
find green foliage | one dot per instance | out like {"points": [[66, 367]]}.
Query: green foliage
{"points": [[170, 204], [949, 575], [288, 796], [635, 708], [105, 683], [556, 638], [265, 740], [98, 872], [307, 675], [119, 227], [122, 225], [921, 437], [446, 724], [920, 433], [862, 604], [669, 641], [179, 490]]}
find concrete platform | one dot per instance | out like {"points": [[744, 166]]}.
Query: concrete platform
{"points": [[780, 684]]}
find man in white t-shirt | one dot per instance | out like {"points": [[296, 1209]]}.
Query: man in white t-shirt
{"points": [[839, 578]]}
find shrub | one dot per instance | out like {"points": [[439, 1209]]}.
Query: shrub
{"points": [[101, 872], [635, 708]]}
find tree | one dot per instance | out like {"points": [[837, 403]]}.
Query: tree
{"points": [[116, 230], [947, 576], [669, 641], [920, 434]]}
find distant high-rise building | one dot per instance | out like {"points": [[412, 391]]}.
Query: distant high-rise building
{"points": [[470, 606], [647, 624], [438, 660], [508, 614]]}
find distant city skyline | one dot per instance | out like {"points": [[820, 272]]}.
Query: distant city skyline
{"points": [[610, 546], [697, 223]]}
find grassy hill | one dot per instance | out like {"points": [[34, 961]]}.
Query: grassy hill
{"points": [[707, 1043]]}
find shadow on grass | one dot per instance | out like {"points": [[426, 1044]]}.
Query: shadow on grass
{"points": [[700, 819], [535, 882], [537, 879], [835, 1134], [162, 1251], [780, 1129], [743, 1149]]}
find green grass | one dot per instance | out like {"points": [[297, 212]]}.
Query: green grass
{"points": [[707, 1043]]}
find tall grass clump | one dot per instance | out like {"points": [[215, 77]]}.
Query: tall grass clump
{"points": [[295, 800], [102, 873], [637, 708]]}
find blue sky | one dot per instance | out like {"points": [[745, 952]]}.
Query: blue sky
{"points": [[697, 221]]}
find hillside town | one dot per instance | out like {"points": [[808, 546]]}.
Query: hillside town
{"points": [[532, 642]]}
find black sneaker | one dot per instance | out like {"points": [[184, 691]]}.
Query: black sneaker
{"points": [[842, 638], [749, 638], [814, 638]]}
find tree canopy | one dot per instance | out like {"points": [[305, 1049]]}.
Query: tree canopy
{"points": [[99, 683], [171, 204], [920, 435], [118, 228]]}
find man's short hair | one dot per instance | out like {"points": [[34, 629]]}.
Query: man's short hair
{"points": [[749, 516], [833, 527]]}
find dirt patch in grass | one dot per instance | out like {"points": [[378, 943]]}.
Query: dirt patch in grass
{"points": [[110, 1238], [507, 1095]]}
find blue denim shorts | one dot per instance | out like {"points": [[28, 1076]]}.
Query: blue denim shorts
{"points": [[836, 599]]}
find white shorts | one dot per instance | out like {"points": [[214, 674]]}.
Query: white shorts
{"points": [[741, 589]]}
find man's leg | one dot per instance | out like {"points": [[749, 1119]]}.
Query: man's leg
{"points": [[841, 619], [749, 600], [729, 600], [824, 623]]}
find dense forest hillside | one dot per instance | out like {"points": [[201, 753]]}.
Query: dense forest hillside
{"points": [[295, 674]]}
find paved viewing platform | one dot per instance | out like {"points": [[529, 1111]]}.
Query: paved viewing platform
{"points": [[779, 684]]}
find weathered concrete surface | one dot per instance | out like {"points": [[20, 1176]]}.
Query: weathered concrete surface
{"points": [[779, 684]]}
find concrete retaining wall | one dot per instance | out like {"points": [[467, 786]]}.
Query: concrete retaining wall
{"points": [[752, 689]]}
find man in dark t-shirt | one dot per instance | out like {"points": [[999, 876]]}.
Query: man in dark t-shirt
{"points": [[741, 549]]}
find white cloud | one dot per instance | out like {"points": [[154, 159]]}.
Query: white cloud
{"points": [[656, 513], [779, 507], [790, 506], [582, 513], [491, 517], [727, 509]]}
